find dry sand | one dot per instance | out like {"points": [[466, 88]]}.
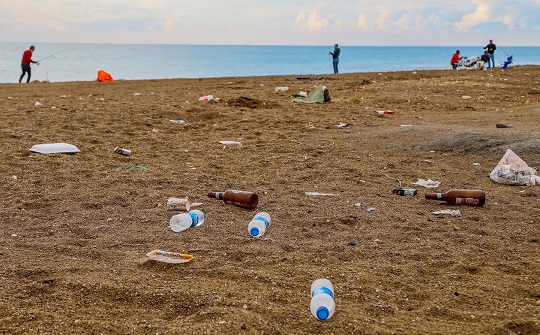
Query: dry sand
{"points": [[75, 230]]}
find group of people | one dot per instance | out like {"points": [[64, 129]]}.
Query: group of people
{"points": [[488, 57]]}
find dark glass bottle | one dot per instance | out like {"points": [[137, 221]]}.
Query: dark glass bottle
{"points": [[460, 197], [237, 198]]}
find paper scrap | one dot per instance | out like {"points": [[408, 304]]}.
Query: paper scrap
{"points": [[427, 183]]}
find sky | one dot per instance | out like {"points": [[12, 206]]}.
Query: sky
{"points": [[275, 22]]}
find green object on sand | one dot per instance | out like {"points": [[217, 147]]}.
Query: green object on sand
{"points": [[132, 167], [319, 95]]}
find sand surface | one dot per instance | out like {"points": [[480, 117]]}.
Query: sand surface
{"points": [[76, 228]]}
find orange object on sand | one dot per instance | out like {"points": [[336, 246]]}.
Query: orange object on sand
{"points": [[103, 76]]}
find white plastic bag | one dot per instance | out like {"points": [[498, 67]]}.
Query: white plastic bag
{"points": [[512, 170]]}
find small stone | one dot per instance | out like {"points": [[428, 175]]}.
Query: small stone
{"points": [[352, 243]]}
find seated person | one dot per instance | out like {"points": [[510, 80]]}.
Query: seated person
{"points": [[455, 59], [483, 60]]}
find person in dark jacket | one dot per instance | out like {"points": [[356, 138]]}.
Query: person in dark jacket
{"points": [[25, 63], [491, 51], [335, 57]]}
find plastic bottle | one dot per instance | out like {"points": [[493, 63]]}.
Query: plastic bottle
{"points": [[460, 197], [257, 227], [238, 198], [280, 89], [322, 299], [181, 222]]}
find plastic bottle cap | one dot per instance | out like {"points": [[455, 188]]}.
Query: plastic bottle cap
{"points": [[322, 313], [254, 231]]}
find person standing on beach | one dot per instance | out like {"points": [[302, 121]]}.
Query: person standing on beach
{"points": [[491, 51], [25, 63], [455, 60], [335, 57]]}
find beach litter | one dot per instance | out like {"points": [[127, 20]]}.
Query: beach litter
{"points": [[451, 212], [168, 256], [131, 167], [385, 112], [503, 125], [427, 183], [54, 148], [178, 121], [319, 95], [230, 143], [38, 104], [512, 170], [319, 194], [280, 89], [206, 98], [342, 125]]}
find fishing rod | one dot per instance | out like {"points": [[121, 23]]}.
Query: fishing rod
{"points": [[507, 55], [56, 53]]}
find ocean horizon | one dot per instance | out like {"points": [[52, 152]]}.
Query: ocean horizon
{"points": [[64, 62]]}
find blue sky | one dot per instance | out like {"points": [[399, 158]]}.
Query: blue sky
{"points": [[276, 22]]}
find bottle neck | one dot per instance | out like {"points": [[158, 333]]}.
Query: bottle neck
{"points": [[436, 196], [217, 195]]}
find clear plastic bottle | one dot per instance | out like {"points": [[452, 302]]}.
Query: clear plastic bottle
{"points": [[181, 222], [280, 89], [257, 227], [322, 299]]}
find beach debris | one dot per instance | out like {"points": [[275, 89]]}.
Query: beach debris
{"points": [[319, 95], [54, 148], [132, 167], [406, 125], [137, 94], [427, 183], [230, 143], [405, 191], [104, 77], [302, 94], [122, 151], [155, 130], [358, 204], [342, 125], [466, 97], [385, 112], [319, 194], [178, 121], [168, 256], [371, 209], [476, 164], [178, 204], [451, 212], [512, 170], [503, 125], [206, 98], [38, 104], [280, 89]]}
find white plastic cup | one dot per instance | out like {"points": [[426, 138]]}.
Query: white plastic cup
{"points": [[322, 299], [181, 222], [257, 227]]}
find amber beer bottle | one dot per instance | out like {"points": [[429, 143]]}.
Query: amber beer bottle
{"points": [[460, 197], [238, 198]]}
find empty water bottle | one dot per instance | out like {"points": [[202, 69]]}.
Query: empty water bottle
{"points": [[322, 299], [181, 222], [257, 227]]}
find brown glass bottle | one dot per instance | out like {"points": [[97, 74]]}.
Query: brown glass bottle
{"points": [[238, 198], [460, 197]]}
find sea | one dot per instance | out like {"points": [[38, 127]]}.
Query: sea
{"points": [[80, 62]]}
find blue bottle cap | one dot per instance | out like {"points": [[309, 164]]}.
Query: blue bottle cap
{"points": [[322, 313], [254, 231]]}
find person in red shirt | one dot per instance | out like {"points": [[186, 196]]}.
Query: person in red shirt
{"points": [[455, 59], [25, 63]]}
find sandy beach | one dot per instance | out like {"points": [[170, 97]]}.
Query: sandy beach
{"points": [[76, 228]]}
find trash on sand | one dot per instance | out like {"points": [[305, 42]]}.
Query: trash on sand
{"points": [[476, 164], [512, 170], [280, 89], [132, 167], [319, 193], [168, 257], [371, 209], [427, 183], [178, 204], [230, 143], [136, 94], [178, 121], [302, 94], [54, 148], [238, 198], [38, 104], [122, 151], [342, 125], [206, 98], [405, 191], [387, 112], [319, 95], [448, 212], [503, 125]]}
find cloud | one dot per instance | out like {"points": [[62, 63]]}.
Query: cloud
{"points": [[314, 21]]}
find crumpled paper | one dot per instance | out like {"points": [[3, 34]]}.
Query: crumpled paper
{"points": [[452, 212], [427, 183]]}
